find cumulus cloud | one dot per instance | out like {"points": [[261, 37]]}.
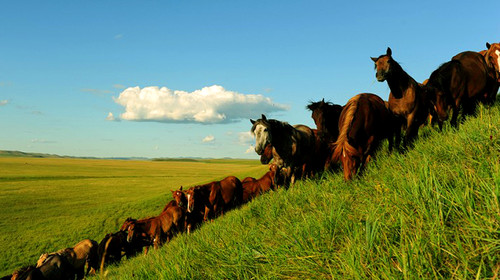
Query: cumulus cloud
{"points": [[212, 104], [208, 139], [245, 138], [3, 102]]}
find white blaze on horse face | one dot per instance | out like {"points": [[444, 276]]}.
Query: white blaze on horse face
{"points": [[189, 202], [497, 52], [261, 138]]}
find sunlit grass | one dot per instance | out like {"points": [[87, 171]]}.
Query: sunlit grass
{"points": [[430, 213], [52, 203]]}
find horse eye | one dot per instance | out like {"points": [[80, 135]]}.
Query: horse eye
{"points": [[265, 129]]}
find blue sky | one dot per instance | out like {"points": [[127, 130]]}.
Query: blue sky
{"points": [[182, 78]]}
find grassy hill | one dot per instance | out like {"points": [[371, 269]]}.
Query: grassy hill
{"points": [[430, 213]]}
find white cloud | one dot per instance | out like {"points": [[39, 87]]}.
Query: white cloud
{"points": [[245, 138], [110, 117], [251, 149], [208, 139], [212, 104], [3, 102]]}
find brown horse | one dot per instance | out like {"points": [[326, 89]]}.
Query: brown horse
{"points": [[55, 267], [492, 58], [267, 155], [155, 230], [326, 117], [408, 99], [294, 145], [363, 124], [113, 247], [215, 198], [84, 253], [460, 84], [254, 187]]}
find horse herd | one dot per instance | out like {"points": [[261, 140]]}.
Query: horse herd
{"points": [[345, 135]]}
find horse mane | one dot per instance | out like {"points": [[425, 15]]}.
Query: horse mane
{"points": [[342, 145]]}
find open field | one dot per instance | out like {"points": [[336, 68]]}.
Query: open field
{"points": [[52, 203], [430, 213]]}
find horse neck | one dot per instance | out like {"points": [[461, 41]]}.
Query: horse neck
{"points": [[399, 81], [266, 180], [282, 138]]}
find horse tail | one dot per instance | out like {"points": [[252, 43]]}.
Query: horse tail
{"points": [[341, 147], [103, 258]]}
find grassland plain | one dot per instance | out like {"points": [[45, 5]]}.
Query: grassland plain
{"points": [[52, 203], [430, 213]]}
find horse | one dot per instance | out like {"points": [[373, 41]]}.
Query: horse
{"points": [[112, 248], [492, 58], [155, 230], [408, 99], [267, 154], [215, 198], [55, 267], [363, 124], [326, 117], [84, 253], [294, 145], [460, 83], [254, 187]]}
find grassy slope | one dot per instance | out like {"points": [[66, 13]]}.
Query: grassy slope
{"points": [[430, 213], [52, 203]]}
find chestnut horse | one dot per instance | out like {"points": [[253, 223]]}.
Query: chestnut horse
{"points": [[363, 124], [460, 83], [492, 58], [215, 198], [408, 99], [155, 230], [254, 187], [294, 145], [267, 155]]}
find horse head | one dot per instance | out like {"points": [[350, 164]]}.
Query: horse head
{"points": [[492, 58], [179, 197], [261, 131], [267, 155], [383, 65], [190, 199]]}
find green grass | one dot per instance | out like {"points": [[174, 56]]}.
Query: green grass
{"points": [[52, 203], [430, 213]]}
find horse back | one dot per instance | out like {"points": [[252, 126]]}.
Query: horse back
{"points": [[476, 70]]}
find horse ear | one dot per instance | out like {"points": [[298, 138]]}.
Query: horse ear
{"points": [[389, 51], [374, 59], [264, 117], [252, 121], [180, 188], [488, 45]]}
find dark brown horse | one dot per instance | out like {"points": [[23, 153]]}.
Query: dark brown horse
{"points": [[215, 198], [408, 99], [113, 247], [254, 187], [363, 124], [460, 84], [294, 145], [326, 117], [55, 267]]}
